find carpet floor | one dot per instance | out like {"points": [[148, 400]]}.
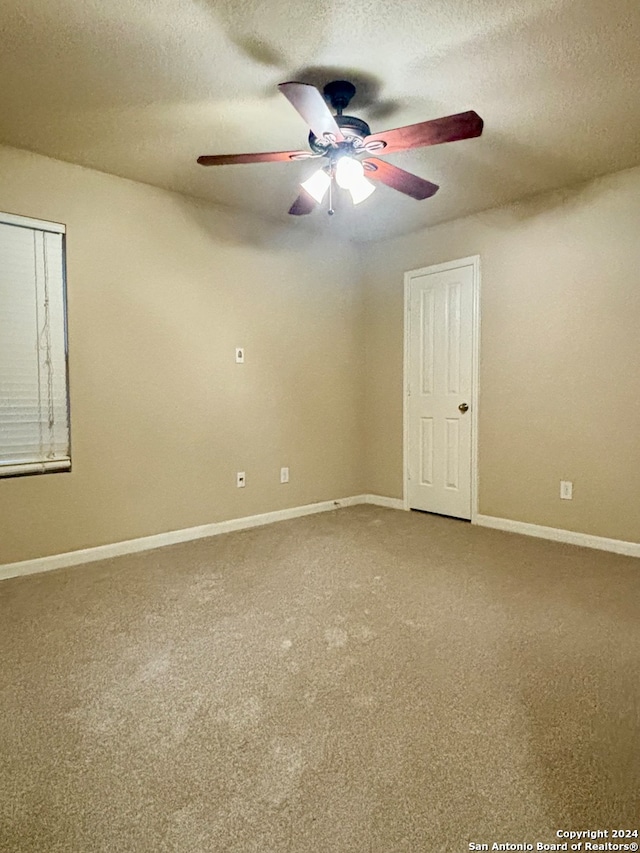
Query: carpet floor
{"points": [[359, 681]]}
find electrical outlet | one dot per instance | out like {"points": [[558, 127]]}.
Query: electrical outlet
{"points": [[239, 355], [240, 480], [566, 490], [284, 475]]}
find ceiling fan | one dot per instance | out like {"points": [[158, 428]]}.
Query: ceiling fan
{"points": [[342, 141]]}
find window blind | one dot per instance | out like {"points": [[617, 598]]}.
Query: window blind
{"points": [[34, 415]]}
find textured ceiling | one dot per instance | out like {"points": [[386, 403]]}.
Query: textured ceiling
{"points": [[140, 88]]}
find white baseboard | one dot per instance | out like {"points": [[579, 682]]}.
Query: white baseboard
{"points": [[158, 540], [586, 540], [378, 500]]}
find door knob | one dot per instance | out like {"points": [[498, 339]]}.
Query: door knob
{"points": [[464, 407]]}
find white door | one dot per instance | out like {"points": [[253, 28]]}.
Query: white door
{"points": [[440, 389]]}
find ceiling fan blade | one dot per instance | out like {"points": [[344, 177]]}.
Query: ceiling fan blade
{"points": [[447, 129], [267, 157], [404, 182], [313, 108], [302, 205]]}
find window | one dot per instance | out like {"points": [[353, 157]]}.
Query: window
{"points": [[34, 409]]}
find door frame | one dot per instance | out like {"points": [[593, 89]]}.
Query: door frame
{"points": [[474, 262]]}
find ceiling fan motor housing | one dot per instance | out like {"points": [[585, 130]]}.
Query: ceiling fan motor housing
{"points": [[355, 130], [339, 93]]}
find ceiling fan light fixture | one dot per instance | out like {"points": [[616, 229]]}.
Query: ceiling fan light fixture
{"points": [[349, 172], [317, 185], [350, 176]]}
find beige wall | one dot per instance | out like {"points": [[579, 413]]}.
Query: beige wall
{"points": [[162, 288], [560, 355], [160, 291]]}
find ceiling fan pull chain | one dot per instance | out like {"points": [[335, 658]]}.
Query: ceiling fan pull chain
{"points": [[331, 211]]}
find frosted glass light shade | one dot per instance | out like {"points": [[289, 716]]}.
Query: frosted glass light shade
{"points": [[317, 185], [350, 176], [348, 172], [361, 190]]}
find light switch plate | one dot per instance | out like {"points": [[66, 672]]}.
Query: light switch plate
{"points": [[239, 355], [566, 490]]}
